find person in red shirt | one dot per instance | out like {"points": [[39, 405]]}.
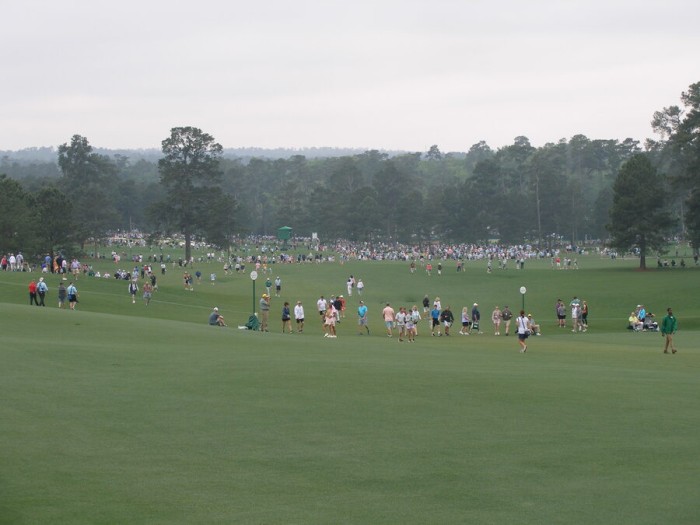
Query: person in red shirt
{"points": [[32, 293], [342, 307]]}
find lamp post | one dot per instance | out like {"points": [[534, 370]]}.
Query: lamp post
{"points": [[523, 290], [253, 277]]}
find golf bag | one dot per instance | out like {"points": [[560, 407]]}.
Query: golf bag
{"points": [[253, 323]]}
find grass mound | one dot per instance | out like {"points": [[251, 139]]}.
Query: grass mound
{"points": [[125, 413]]}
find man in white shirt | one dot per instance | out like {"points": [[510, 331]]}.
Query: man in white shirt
{"points": [[299, 316], [322, 306]]}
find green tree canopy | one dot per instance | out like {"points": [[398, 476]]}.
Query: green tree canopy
{"points": [[680, 152], [639, 218], [189, 172], [16, 225], [53, 215], [89, 180]]}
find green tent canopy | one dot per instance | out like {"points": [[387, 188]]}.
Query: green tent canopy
{"points": [[284, 233]]}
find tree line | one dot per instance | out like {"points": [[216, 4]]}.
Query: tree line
{"points": [[568, 190]]}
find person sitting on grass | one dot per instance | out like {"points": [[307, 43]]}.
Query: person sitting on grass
{"points": [[534, 327], [650, 323], [634, 323], [215, 319]]}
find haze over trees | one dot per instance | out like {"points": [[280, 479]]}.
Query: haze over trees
{"points": [[562, 191]]}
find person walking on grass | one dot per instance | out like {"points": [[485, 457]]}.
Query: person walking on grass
{"points": [[299, 316], [401, 323], [322, 306], [278, 286], [447, 318], [669, 326], [465, 321], [72, 292], [41, 289], [435, 318], [388, 315], [329, 324], [62, 294], [415, 317], [147, 292], [496, 319], [32, 293], [507, 316], [476, 319], [133, 288], [410, 327], [362, 318], [523, 330], [286, 318]]}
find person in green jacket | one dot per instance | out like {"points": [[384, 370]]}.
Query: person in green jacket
{"points": [[669, 325]]}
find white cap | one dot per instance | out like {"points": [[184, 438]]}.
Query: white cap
{"points": [[216, 309]]}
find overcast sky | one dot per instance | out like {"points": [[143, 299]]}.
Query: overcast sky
{"points": [[379, 74]]}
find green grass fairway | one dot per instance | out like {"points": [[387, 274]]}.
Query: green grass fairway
{"points": [[121, 413]]}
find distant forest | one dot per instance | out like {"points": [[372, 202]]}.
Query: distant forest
{"points": [[560, 192], [468, 197]]}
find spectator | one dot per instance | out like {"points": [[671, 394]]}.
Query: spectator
{"points": [[447, 318], [299, 316], [465, 322], [215, 319], [634, 323], [534, 327], [496, 318], [72, 292], [264, 312], [388, 315], [476, 319], [286, 318], [41, 289], [507, 316], [362, 318], [523, 331], [32, 293]]}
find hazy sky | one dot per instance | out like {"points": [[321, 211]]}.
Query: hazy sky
{"points": [[380, 74]]}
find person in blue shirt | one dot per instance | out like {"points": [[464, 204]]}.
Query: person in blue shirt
{"points": [[41, 289], [72, 292], [642, 312], [435, 316], [362, 318]]}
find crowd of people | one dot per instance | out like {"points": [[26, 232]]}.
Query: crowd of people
{"points": [[404, 322], [641, 320]]}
